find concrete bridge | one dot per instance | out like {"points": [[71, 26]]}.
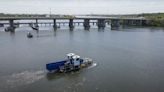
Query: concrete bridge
{"points": [[115, 22]]}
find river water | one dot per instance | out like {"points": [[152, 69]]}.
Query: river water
{"points": [[128, 60]]}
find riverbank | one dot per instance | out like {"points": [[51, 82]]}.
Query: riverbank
{"points": [[156, 19]]}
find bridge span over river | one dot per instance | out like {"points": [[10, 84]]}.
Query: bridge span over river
{"points": [[101, 22]]}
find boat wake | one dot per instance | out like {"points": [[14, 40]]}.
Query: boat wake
{"points": [[92, 66], [24, 78]]}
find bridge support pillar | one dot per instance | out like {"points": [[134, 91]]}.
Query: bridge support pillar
{"points": [[86, 24], [108, 22], [115, 24], [125, 22], [93, 23], [78, 24], [144, 22], [54, 25], [101, 23], [71, 26], [36, 23], [140, 22], [11, 27]]}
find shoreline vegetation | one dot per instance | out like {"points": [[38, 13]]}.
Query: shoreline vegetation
{"points": [[155, 19]]}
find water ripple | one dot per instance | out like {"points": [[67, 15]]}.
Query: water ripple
{"points": [[24, 78], [92, 66]]}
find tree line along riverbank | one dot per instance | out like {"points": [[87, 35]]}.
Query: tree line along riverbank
{"points": [[156, 19]]}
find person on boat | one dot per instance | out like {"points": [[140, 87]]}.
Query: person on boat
{"points": [[70, 57]]}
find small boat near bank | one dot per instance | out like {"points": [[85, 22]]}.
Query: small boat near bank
{"points": [[72, 63], [29, 35]]}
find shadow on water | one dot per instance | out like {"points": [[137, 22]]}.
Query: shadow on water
{"points": [[47, 35], [100, 30], [12, 35], [55, 33], [155, 29], [71, 29], [55, 76]]}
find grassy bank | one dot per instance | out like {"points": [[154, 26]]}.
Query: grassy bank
{"points": [[156, 19]]}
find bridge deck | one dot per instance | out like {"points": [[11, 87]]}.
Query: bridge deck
{"points": [[46, 22], [76, 18]]}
